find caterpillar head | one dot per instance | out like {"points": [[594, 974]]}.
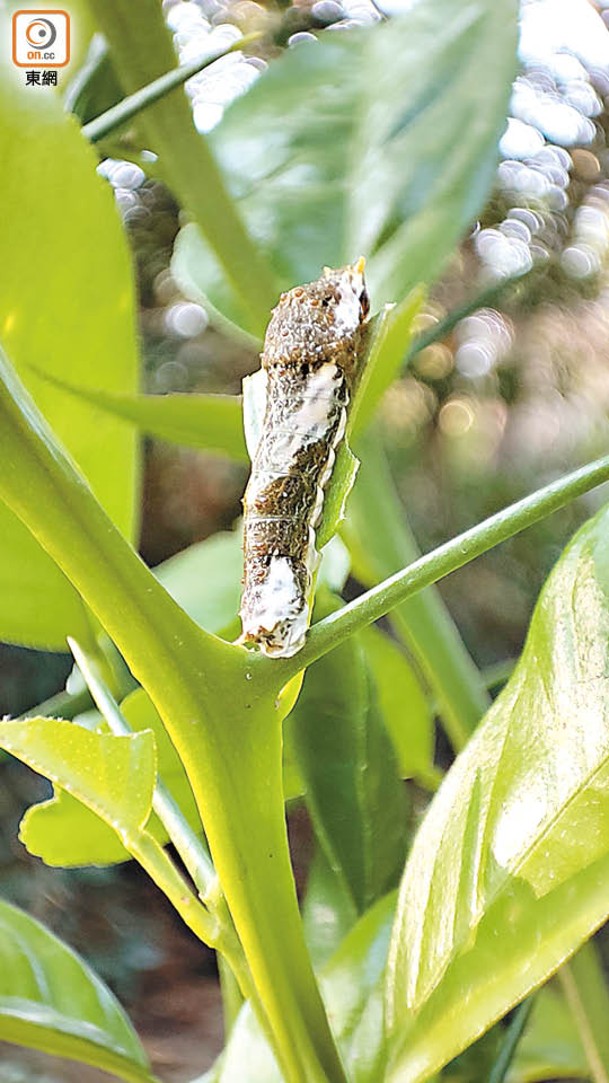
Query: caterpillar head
{"points": [[321, 321]]}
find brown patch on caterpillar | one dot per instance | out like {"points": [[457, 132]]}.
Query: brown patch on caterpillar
{"points": [[312, 348]]}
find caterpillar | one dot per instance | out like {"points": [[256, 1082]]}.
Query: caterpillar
{"points": [[312, 348]]}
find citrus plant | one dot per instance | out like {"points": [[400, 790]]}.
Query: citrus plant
{"points": [[410, 944]]}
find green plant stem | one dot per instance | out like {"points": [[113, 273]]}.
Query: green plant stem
{"points": [[510, 1042], [220, 713], [380, 542], [190, 848], [159, 866], [142, 51], [585, 989], [447, 558], [129, 107], [63, 705], [232, 999], [217, 920], [220, 931]]}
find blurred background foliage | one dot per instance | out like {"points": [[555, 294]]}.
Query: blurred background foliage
{"points": [[495, 404]]}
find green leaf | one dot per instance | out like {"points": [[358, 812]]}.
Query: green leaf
{"points": [[347, 147], [211, 423], [550, 1047], [352, 984], [51, 1000], [328, 910], [508, 873], [113, 777], [64, 832], [67, 308], [404, 707], [353, 792], [205, 580]]}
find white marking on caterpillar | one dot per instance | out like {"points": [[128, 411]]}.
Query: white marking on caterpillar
{"points": [[310, 357], [347, 312]]}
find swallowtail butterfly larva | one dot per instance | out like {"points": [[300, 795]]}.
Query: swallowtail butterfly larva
{"points": [[312, 348]]}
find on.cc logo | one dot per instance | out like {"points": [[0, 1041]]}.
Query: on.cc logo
{"points": [[41, 39]]}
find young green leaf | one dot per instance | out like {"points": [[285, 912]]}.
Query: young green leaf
{"points": [[58, 1005], [369, 118], [113, 777], [353, 792], [67, 308], [64, 832], [508, 873]]}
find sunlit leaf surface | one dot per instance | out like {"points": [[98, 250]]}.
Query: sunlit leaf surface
{"points": [[66, 308], [509, 872], [111, 777]]}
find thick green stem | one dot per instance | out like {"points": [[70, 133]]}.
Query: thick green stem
{"points": [[142, 51], [381, 543], [220, 714]]}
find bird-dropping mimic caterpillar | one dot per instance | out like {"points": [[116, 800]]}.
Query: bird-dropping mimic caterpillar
{"points": [[312, 350]]}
